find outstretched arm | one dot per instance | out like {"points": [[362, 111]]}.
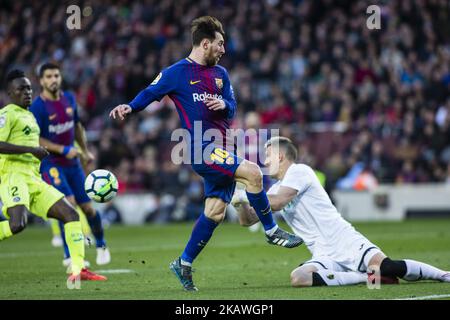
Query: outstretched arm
{"points": [[282, 198], [9, 148], [68, 151], [163, 84], [247, 215]]}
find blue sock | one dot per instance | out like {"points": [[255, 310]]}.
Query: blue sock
{"points": [[201, 233], [260, 203], [97, 229], [63, 236]]}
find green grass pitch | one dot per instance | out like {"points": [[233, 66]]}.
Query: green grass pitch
{"points": [[236, 264]]}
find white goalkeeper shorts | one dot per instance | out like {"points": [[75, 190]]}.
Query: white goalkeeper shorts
{"points": [[354, 254]]}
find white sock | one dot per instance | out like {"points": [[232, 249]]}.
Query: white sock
{"points": [[272, 231], [186, 263], [416, 270], [335, 278]]}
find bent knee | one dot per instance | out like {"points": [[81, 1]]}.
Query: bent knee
{"points": [[17, 227], [216, 216], [215, 210], [253, 174]]}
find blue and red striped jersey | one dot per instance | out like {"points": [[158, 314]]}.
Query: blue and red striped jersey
{"points": [[188, 84], [57, 120]]}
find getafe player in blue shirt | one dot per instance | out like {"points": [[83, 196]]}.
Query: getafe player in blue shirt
{"points": [[202, 93], [56, 113]]}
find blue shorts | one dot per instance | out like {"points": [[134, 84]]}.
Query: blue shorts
{"points": [[218, 175], [67, 179]]}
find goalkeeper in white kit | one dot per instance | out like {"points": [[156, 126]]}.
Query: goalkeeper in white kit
{"points": [[340, 254]]}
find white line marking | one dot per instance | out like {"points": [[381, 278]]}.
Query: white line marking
{"points": [[115, 271], [435, 296]]}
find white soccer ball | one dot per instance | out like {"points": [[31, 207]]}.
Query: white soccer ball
{"points": [[101, 185]]}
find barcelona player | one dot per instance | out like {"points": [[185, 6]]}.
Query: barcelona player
{"points": [[56, 113], [22, 189], [204, 98]]}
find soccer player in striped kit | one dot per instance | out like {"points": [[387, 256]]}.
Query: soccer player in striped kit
{"points": [[56, 113], [204, 98]]}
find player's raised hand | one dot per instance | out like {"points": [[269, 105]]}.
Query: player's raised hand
{"points": [[39, 152], [214, 104], [120, 111]]}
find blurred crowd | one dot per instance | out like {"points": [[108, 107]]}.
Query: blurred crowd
{"points": [[358, 102]]}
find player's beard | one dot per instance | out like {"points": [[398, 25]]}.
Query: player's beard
{"points": [[53, 89], [211, 60]]}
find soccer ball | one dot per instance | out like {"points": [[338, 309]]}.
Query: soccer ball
{"points": [[101, 185]]}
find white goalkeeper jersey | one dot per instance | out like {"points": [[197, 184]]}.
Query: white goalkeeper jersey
{"points": [[312, 216]]}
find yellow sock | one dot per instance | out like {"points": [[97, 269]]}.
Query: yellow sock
{"points": [[54, 224], [84, 223], [5, 230], [75, 242]]}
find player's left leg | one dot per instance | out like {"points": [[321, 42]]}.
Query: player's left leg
{"points": [[48, 202], [323, 271], [95, 222], [75, 178], [15, 195], [67, 261], [66, 213], [201, 233], [409, 270]]}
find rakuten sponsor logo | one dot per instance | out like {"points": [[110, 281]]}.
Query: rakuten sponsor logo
{"points": [[61, 128], [202, 96]]}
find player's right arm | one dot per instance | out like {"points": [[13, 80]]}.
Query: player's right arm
{"points": [[163, 84], [38, 110], [9, 148], [247, 215], [67, 151]]}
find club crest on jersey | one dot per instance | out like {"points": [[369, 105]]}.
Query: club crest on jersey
{"points": [[69, 111], [2, 121], [219, 83], [26, 130]]}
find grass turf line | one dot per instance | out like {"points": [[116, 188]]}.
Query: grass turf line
{"points": [[236, 264]]}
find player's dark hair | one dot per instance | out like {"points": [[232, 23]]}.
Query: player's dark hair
{"points": [[47, 66], [14, 74], [286, 144], [205, 27]]}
